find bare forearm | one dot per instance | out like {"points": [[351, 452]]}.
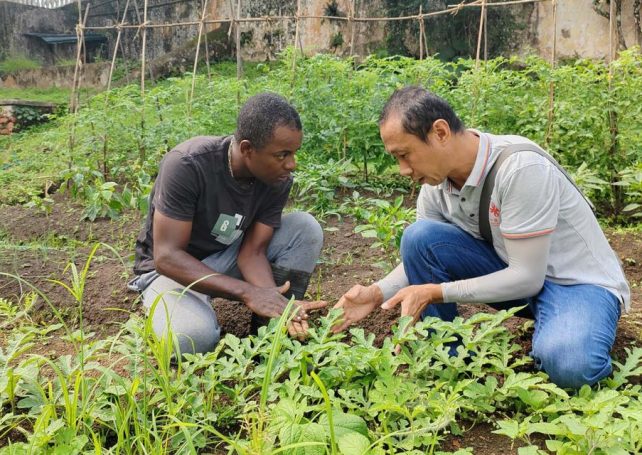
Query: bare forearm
{"points": [[184, 268], [255, 269]]}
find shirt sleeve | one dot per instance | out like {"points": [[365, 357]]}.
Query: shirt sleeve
{"points": [[393, 282], [176, 192], [270, 214], [528, 199], [524, 276]]}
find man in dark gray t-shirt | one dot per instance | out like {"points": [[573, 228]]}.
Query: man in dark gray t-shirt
{"points": [[215, 228]]}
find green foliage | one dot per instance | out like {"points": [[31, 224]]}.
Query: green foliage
{"points": [[448, 36], [16, 63], [325, 395], [27, 116], [119, 137], [56, 95]]}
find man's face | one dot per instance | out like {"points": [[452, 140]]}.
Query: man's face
{"points": [[422, 161], [275, 162]]}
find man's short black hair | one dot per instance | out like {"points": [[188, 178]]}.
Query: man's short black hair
{"points": [[261, 115], [418, 109]]}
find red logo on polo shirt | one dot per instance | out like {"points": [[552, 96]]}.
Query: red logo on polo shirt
{"points": [[493, 214]]}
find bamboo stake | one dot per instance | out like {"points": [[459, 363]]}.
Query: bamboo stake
{"points": [[479, 36], [141, 144], [296, 39], [352, 27], [207, 57], [198, 48], [613, 119], [143, 26], [75, 97], [551, 86], [113, 59], [80, 37], [486, 34], [239, 58], [421, 33]]}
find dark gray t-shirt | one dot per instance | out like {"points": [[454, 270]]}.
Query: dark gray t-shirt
{"points": [[194, 184]]}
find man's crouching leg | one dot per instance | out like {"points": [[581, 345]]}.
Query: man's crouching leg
{"points": [[293, 254], [187, 314], [574, 332]]}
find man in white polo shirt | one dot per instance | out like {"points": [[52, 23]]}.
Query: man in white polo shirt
{"points": [[547, 249]]}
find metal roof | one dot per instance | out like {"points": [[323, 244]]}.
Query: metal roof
{"points": [[51, 4], [59, 38]]}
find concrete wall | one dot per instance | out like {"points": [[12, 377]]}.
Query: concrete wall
{"points": [[93, 75], [17, 19], [261, 40], [581, 32]]}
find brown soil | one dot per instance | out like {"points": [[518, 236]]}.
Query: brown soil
{"points": [[38, 247]]}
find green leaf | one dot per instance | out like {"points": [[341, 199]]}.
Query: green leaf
{"points": [[345, 423], [530, 450], [309, 432], [353, 444], [574, 425], [545, 428], [508, 428]]}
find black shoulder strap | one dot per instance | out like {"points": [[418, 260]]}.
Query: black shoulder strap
{"points": [[489, 183]]}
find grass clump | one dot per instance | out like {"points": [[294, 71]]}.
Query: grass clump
{"points": [[17, 63]]}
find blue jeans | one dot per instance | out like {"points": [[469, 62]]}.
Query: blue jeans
{"points": [[574, 325]]}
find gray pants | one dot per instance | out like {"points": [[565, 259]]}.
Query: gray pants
{"points": [[296, 245]]}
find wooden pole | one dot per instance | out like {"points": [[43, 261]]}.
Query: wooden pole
{"points": [[144, 45], [80, 38], [352, 27], [113, 59], [198, 48], [296, 40], [551, 84], [486, 34], [239, 59], [479, 36], [421, 33], [618, 194], [75, 98], [141, 144], [207, 56]]}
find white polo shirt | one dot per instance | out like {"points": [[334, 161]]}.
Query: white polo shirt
{"points": [[531, 197]]}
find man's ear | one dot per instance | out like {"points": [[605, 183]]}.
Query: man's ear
{"points": [[246, 147], [441, 130]]}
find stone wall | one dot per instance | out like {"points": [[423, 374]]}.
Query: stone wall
{"points": [[11, 119], [94, 75], [17, 19], [7, 120], [582, 32], [260, 40]]}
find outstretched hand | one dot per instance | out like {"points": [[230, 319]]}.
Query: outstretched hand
{"points": [[298, 326], [357, 303], [268, 302], [413, 301], [271, 303]]}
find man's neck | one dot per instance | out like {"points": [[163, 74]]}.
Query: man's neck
{"points": [[464, 152]]}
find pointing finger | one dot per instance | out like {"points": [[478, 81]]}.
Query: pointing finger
{"points": [[284, 287], [392, 302], [315, 305]]}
